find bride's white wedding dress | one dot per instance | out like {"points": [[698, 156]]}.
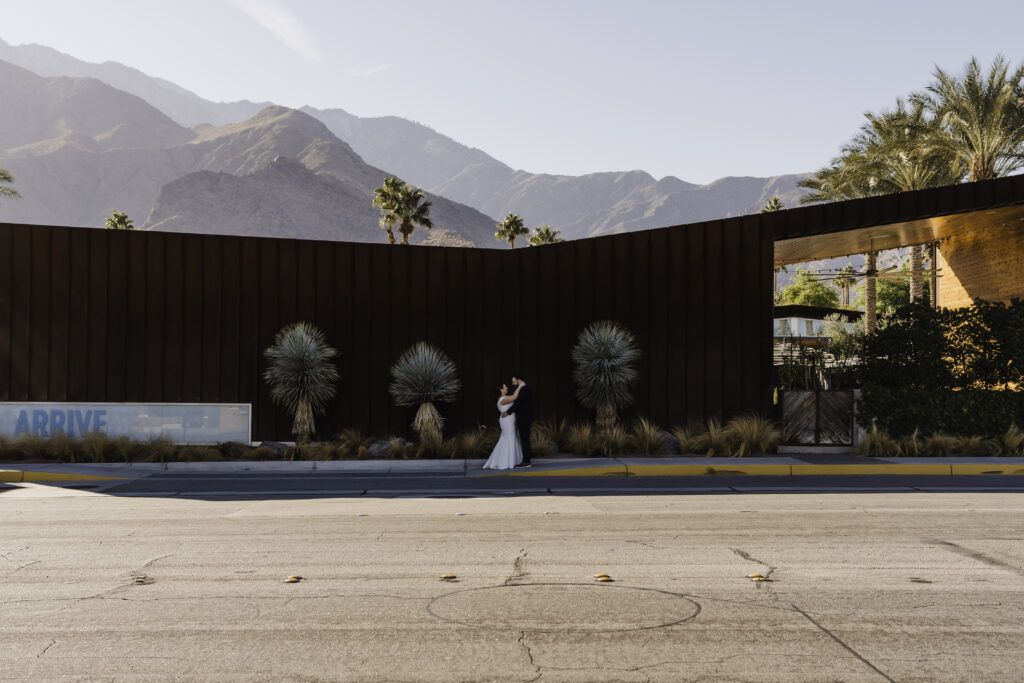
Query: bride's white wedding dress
{"points": [[507, 452]]}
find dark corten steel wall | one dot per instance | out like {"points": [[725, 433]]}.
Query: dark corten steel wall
{"points": [[99, 315]]}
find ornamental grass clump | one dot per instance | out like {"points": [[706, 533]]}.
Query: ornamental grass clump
{"points": [[977, 447], [581, 439], [689, 437], [648, 439], [939, 446], [425, 375], [878, 444], [613, 441], [1011, 442], [604, 358], [301, 375], [752, 434], [715, 440]]}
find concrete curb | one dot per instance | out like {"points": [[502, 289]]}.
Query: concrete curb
{"points": [[19, 476]]}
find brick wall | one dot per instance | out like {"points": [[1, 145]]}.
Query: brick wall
{"points": [[986, 263]]}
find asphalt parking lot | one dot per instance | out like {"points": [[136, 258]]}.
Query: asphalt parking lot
{"points": [[869, 586]]}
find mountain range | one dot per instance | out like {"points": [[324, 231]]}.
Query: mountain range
{"points": [[83, 139]]}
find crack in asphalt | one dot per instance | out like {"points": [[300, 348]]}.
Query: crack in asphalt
{"points": [[844, 645], [518, 572], [27, 564], [529, 654], [11, 552], [980, 557], [52, 643], [151, 562], [746, 556]]}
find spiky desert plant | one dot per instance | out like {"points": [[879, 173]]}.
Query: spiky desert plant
{"points": [[398, 448], [301, 375], [878, 444], [425, 375], [471, 443], [716, 439], [1011, 442], [939, 446], [581, 439], [751, 434], [604, 355], [648, 437]]}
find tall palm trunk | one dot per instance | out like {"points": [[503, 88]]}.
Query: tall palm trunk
{"points": [[916, 277], [870, 319], [391, 235]]}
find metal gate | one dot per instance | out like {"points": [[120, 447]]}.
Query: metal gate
{"points": [[817, 418]]}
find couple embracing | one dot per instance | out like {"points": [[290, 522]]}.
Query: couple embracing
{"points": [[513, 448]]}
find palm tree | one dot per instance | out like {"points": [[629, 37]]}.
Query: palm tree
{"points": [[424, 375], [544, 235], [301, 375], [773, 204], [844, 280], [981, 118], [386, 198], [118, 221], [892, 152], [412, 211], [870, 298], [511, 228], [6, 177], [604, 356]]}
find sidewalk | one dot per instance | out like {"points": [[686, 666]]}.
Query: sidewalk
{"points": [[789, 465]]}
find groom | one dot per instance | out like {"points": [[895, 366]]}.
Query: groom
{"points": [[523, 408]]}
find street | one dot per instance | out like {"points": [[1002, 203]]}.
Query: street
{"points": [[175, 583]]}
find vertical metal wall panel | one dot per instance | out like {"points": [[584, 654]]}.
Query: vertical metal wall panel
{"points": [[78, 353], [633, 277], [494, 325], [731, 273], [99, 302], [6, 267], [379, 328], [155, 313], [265, 420], [714, 320], [696, 376], [549, 356], [751, 320], [455, 332], [228, 354], [20, 331], [174, 307], [338, 296], [248, 353], [212, 309], [677, 313], [398, 339], [305, 276], [477, 389], [117, 319], [193, 337], [39, 317], [569, 322], [363, 337], [135, 321], [60, 298]]}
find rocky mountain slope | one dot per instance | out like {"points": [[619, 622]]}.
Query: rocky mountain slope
{"points": [[77, 149], [579, 206]]}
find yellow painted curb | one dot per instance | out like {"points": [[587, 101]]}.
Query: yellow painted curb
{"points": [[987, 468], [872, 468], [30, 476], [702, 470], [604, 471]]}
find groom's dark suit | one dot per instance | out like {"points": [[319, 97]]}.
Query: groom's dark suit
{"points": [[523, 409]]}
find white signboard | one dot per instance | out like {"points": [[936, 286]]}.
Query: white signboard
{"points": [[179, 422]]}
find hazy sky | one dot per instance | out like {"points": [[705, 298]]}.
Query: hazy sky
{"points": [[698, 90]]}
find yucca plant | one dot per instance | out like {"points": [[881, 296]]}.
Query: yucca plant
{"points": [[648, 437], [751, 434], [939, 446], [581, 439], [1011, 443], [604, 355], [878, 444], [425, 375], [614, 441], [301, 375]]}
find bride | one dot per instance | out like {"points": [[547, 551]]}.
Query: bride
{"points": [[507, 452]]}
